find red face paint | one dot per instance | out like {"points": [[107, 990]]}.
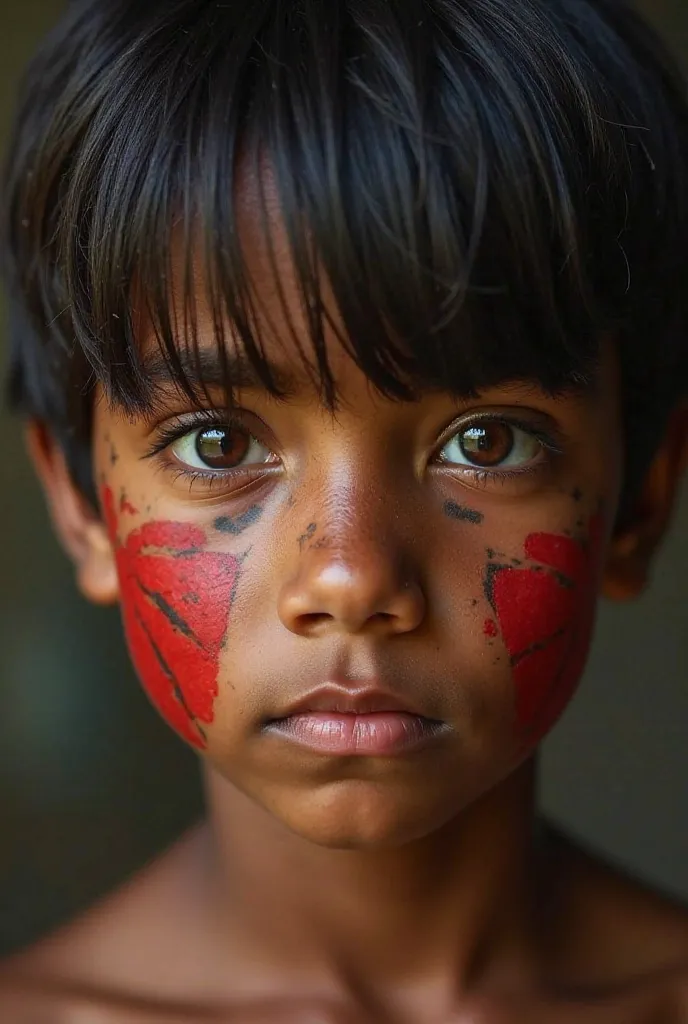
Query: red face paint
{"points": [[175, 600], [546, 609]]}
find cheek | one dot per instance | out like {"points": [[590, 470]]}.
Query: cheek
{"points": [[545, 610], [176, 600]]}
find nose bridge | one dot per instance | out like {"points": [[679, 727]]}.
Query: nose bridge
{"points": [[355, 517], [353, 487], [353, 568]]}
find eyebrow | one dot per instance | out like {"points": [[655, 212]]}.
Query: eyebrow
{"points": [[207, 369]]}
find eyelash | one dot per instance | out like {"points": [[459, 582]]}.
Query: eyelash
{"points": [[167, 435], [482, 477]]}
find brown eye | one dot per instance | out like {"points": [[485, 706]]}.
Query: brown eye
{"points": [[487, 444], [220, 448], [491, 444]]}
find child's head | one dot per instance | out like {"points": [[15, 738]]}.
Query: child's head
{"points": [[363, 325]]}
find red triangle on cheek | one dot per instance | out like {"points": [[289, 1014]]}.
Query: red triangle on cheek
{"points": [[166, 537], [532, 605], [155, 678], [573, 665], [176, 607], [535, 674], [187, 635], [563, 554], [204, 586], [192, 668]]}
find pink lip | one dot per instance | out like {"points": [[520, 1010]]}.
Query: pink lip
{"points": [[341, 721], [348, 699]]}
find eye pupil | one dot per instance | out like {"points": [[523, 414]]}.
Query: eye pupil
{"points": [[487, 444], [222, 448]]}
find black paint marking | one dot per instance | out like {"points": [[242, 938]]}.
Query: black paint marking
{"points": [[237, 524], [305, 537], [541, 645], [187, 553], [167, 671], [173, 617], [496, 567], [113, 454], [462, 513], [488, 582]]}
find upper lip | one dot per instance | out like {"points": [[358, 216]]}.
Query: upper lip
{"points": [[349, 700]]}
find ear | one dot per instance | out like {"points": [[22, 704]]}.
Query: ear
{"points": [[78, 526], [633, 548]]}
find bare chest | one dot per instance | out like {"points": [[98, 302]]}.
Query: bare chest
{"points": [[652, 1005]]}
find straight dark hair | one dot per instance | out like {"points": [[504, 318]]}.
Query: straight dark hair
{"points": [[490, 187]]}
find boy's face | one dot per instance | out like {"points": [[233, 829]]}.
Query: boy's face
{"points": [[364, 621]]}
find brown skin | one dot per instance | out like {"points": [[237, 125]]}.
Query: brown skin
{"points": [[397, 889]]}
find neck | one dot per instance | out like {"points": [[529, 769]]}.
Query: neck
{"points": [[456, 902]]}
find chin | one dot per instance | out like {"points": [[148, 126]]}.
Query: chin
{"points": [[359, 816]]}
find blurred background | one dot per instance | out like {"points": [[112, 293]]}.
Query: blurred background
{"points": [[92, 784]]}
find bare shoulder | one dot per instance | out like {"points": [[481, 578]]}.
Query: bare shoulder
{"points": [[615, 927], [130, 942]]}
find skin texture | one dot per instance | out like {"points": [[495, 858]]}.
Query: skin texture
{"points": [[407, 888]]}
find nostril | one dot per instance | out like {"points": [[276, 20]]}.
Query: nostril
{"points": [[309, 622]]}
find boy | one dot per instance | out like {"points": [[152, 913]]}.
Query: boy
{"points": [[351, 339]]}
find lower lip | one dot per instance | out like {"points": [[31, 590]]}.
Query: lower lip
{"points": [[381, 734]]}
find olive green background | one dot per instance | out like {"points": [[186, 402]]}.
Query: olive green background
{"points": [[92, 784]]}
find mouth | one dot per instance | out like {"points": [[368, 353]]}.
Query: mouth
{"points": [[347, 722]]}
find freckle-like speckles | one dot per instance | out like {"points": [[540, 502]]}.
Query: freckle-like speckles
{"points": [[308, 535], [126, 507]]}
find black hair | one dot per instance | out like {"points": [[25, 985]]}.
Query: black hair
{"points": [[490, 186]]}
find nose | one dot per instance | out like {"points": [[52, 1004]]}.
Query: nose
{"points": [[342, 585]]}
